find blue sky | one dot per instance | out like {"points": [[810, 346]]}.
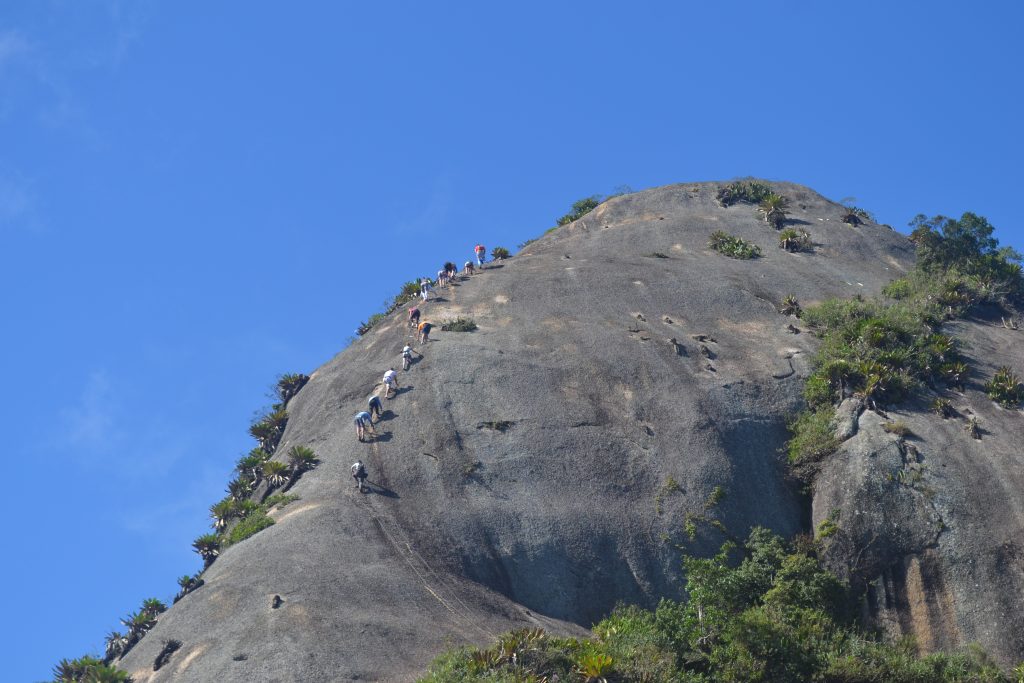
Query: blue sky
{"points": [[197, 197]]}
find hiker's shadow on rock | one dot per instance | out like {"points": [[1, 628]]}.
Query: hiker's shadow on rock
{"points": [[495, 266], [387, 415], [381, 490], [382, 437], [402, 390]]}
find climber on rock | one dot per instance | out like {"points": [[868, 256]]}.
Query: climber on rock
{"points": [[374, 406], [481, 255], [414, 316], [363, 422], [424, 330], [424, 288], [391, 382], [359, 474], [468, 269], [452, 270], [407, 356]]}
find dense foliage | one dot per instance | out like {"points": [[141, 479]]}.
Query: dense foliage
{"points": [[747, 191], [887, 349], [580, 208], [732, 246], [763, 610]]}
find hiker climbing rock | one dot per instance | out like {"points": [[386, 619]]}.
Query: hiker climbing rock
{"points": [[481, 255], [414, 316], [359, 474], [407, 356], [442, 278], [374, 406], [468, 269], [390, 382], [363, 423], [424, 288], [424, 330], [452, 270]]}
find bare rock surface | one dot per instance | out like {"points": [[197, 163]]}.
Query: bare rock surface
{"points": [[522, 477]]}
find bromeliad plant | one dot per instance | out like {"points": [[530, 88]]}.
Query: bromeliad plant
{"points": [[268, 429], [750, 192], [791, 306], [773, 208], [795, 240], [732, 246], [276, 473], [1005, 388], [208, 547], [300, 459]]}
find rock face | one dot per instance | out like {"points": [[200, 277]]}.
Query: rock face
{"points": [[934, 522], [539, 470]]}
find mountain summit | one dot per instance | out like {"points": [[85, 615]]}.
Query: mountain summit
{"points": [[623, 380]]}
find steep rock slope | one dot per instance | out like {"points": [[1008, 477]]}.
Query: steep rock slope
{"points": [[523, 475]]}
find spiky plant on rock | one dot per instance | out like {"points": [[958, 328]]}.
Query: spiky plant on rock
{"points": [[773, 207], [223, 512], [289, 384], [116, 645], [208, 547], [300, 459], [276, 473]]}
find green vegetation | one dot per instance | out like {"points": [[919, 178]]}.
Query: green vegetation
{"points": [[791, 306], [973, 428], [795, 240], [580, 208], [458, 325], [749, 192], [732, 246], [301, 459], [886, 350], [278, 501], [829, 526], [855, 215], [249, 526], [943, 407], [288, 385], [1005, 388], [500, 253], [899, 428], [208, 547], [87, 670], [814, 436], [760, 610], [187, 584], [269, 427], [276, 473], [773, 208]]}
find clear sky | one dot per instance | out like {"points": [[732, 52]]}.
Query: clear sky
{"points": [[198, 196]]}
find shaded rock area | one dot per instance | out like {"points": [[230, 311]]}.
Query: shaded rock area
{"points": [[610, 373]]}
